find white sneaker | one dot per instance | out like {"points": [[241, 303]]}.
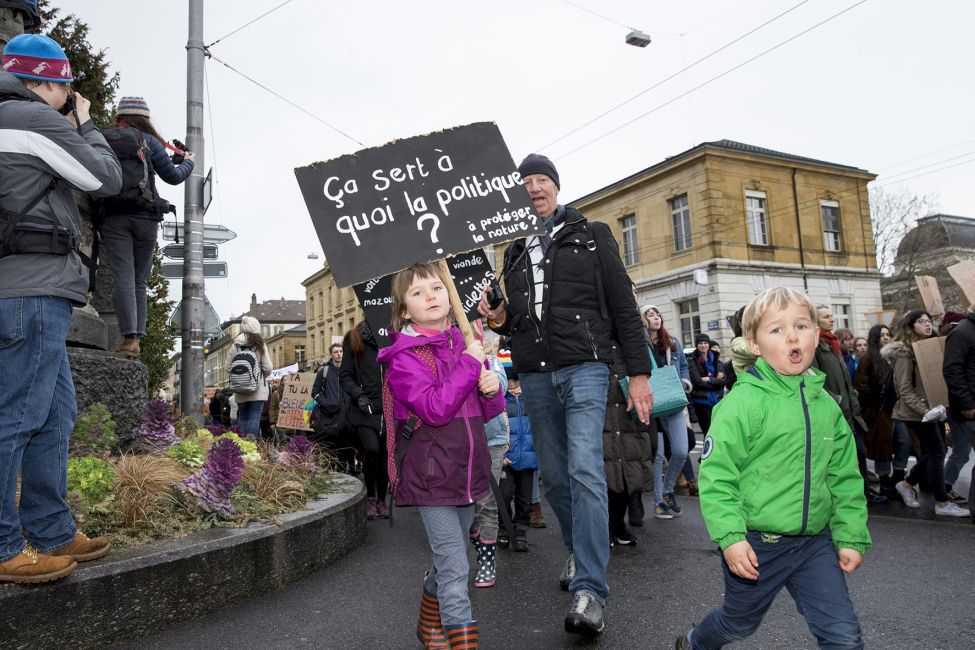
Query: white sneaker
{"points": [[951, 510], [908, 493]]}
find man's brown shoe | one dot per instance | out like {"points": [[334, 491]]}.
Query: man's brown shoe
{"points": [[128, 348], [83, 548], [31, 566]]}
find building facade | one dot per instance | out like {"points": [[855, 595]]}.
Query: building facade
{"points": [[289, 347], [331, 313], [703, 231]]}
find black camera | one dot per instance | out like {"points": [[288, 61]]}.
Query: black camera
{"points": [[494, 295], [69, 105]]}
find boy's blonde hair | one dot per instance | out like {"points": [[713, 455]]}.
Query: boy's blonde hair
{"points": [[401, 284], [776, 298]]}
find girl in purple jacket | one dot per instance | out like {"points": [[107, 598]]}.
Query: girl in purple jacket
{"points": [[439, 388]]}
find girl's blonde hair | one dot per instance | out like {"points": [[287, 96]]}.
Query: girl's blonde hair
{"points": [[776, 298], [401, 284]]}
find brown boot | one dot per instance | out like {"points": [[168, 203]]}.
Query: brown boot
{"points": [[536, 520], [128, 348], [83, 548], [692, 488], [429, 629], [462, 637], [31, 566]]}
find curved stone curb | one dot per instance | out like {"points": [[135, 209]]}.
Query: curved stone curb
{"points": [[136, 591]]}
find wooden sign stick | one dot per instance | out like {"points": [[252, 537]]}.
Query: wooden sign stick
{"points": [[456, 305]]}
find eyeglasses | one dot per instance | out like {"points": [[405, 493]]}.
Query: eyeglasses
{"points": [[923, 321]]}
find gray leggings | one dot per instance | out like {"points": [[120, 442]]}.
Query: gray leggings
{"points": [[447, 528], [131, 242]]}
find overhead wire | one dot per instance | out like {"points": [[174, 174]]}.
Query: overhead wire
{"points": [[671, 76], [249, 23]]}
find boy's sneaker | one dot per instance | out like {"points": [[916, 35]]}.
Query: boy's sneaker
{"points": [[908, 494], [954, 497], [568, 572], [662, 511], [951, 510], [586, 615], [672, 503]]}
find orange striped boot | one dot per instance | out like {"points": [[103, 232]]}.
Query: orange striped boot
{"points": [[462, 637], [429, 629]]}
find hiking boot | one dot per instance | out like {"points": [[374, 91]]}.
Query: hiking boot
{"points": [[662, 511], [692, 490], [486, 574], [429, 629], [537, 520], [672, 503], [128, 348], [30, 566], [585, 616], [908, 493], [951, 510], [83, 548], [462, 636], [568, 572], [681, 483], [382, 510], [954, 497], [371, 509]]}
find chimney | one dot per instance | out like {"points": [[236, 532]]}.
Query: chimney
{"points": [[253, 302]]}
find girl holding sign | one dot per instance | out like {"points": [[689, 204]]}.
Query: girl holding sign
{"points": [[437, 397]]}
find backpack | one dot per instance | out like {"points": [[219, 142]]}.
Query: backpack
{"points": [[245, 370], [138, 193]]}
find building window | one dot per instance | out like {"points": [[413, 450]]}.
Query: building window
{"points": [[831, 225], [690, 320], [756, 218], [299, 354], [680, 214], [630, 252], [312, 341], [841, 316]]}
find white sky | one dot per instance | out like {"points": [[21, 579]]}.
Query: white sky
{"points": [[886, 86]]}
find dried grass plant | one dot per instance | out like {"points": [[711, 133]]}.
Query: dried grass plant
{"points": [[143, 486], [275, 486]]}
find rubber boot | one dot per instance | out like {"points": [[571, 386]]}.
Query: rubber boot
{"points": [[486, 573], [462, 637], [429, 629], [536, 519]]}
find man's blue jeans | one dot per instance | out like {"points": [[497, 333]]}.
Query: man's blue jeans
{"points": [[809, 568], [37, 413], [961, 449], [566, 409]]}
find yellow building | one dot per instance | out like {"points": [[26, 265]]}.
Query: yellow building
{"points": [[288, 347], [703, 231], [331, 313]]}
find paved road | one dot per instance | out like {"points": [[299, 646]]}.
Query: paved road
{"points": [[914, 591]]}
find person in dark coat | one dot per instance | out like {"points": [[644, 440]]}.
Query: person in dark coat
{"points": [[959, 372], [879, 439], [707, 379]]}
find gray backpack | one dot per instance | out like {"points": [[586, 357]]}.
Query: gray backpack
{"points": [[245, 370]]}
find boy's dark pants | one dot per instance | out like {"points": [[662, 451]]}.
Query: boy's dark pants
{"points": [[809, 568], [518, 484]]}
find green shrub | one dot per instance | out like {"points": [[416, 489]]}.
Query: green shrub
{"points": [[94, 432], [189, 452], [91, 478]]}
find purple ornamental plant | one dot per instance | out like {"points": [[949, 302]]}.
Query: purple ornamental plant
{"points": [[157, 428], [212, 484], [299, 455]]}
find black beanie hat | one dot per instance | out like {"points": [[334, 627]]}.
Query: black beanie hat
{"points": [[701, 337], [536, 163]]}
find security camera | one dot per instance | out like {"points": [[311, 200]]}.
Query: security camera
{"points": [[638, 38]]}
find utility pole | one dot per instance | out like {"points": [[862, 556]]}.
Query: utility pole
{"points": [[191, 373]]}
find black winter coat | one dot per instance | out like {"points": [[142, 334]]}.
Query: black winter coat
{"points": [[627, 449], [587, 298], [701, 388], [959, 366], [358, 377]]}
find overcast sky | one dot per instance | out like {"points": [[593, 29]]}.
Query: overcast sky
{"points": [[886, 86]]}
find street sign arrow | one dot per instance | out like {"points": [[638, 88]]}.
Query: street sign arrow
{"points": [[211, 321], [210, 270], [177, 251], [211, 232]]}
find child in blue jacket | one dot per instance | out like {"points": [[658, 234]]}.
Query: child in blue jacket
{"points": [[520, 463]]}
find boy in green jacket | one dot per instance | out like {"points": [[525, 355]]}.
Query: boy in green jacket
{"points": [[781, 494]]}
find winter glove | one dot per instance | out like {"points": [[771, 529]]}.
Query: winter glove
{"points": [[364, 404]]}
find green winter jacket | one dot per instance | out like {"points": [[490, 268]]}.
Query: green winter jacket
{"points": [[780, 459]]}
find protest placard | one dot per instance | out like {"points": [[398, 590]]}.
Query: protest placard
{"points": [[963, 273], [927, 285], [471, 273], [296, 402], [881, 317], [418, 199], [930, 355]]}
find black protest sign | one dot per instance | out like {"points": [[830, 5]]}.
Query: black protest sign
{"points": [[414, 200], [471, 272]]}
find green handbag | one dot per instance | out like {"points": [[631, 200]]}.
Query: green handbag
{"points": [[668, 390]]}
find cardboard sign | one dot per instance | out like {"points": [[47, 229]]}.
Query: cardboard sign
{"points": [[930, 294], [414, 200], [930, 355], [296, 402], [471, 272], [881, 317], [963, 273]]}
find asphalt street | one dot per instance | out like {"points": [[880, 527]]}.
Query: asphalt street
{"points": [[915, 590]]}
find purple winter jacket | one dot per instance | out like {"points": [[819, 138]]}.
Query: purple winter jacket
{"points": [[448, 462]]}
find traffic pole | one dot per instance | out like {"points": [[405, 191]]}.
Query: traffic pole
{"points": [[191, 373]]}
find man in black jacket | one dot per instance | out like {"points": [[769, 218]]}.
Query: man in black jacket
{"points": [[959, 372], [568, 297]]}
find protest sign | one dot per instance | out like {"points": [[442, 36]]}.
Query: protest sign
{"points": [[881, 317], [419, 199], [963, 273], [930, 355], [296, 402], [930, 294], [471, 273]]}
